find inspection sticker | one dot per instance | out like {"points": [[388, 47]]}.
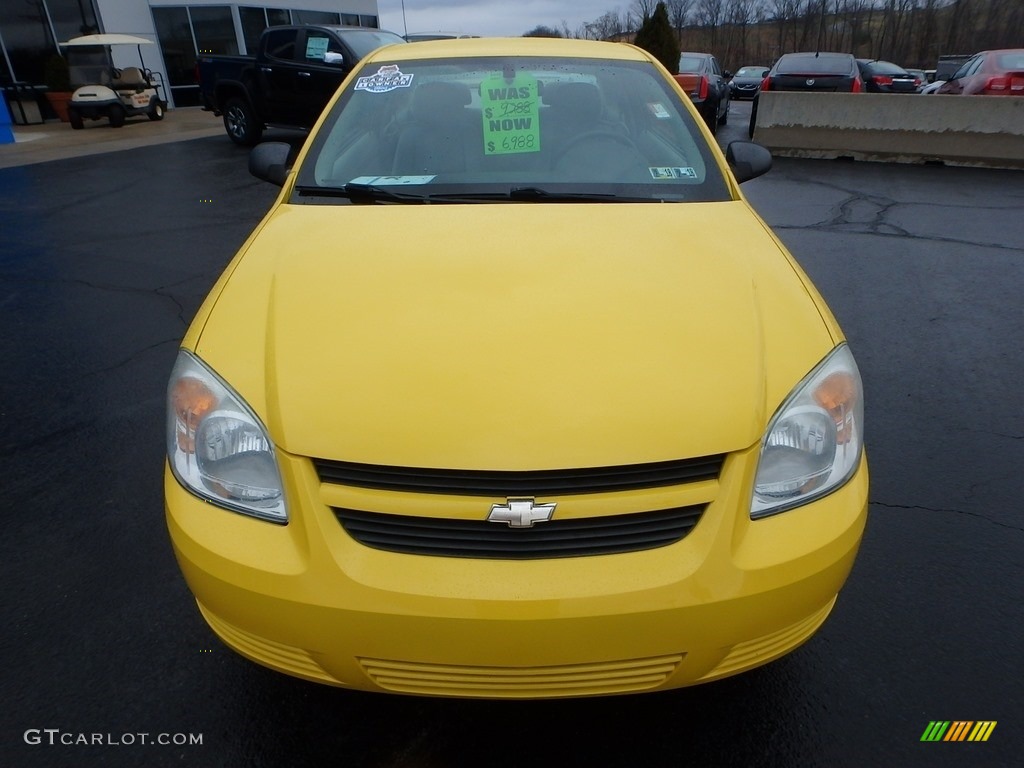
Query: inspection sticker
{"points": [[391, 181], [387, 78], [670, 172], [511, 113], [659, 111]]}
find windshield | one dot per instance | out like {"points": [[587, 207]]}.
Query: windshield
{"points": [[467, 129], [364, 41], [751, 72], [88, 65]]}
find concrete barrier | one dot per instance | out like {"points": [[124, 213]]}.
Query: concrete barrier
{"points": [[983, 131]]}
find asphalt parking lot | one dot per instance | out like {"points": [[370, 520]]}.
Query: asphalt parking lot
{"points": [[107, 256]]}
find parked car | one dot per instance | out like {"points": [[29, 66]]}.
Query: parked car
{"points": [[920, 75], [578, 426], [707, 85], [294, 73], [818, 72], [747, 82], [948, 64], [886, 77], [932, 87], [989, 73]]}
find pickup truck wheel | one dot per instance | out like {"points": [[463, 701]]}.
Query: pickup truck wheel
{"points": [[240, 123]]}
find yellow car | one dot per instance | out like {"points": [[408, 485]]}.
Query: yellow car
{"points": [[511, 394]]}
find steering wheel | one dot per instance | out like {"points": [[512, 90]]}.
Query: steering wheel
{"points": [[597, 134], [586, 164]]}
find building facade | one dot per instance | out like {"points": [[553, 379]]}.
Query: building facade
{"points": [[31, 30]]}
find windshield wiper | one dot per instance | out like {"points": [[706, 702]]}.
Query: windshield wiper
{"points": [[369, 194], [363, 193]]}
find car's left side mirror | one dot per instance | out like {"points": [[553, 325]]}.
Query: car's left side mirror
{"points": [[748, 160], [727, 74], [269, 161], [335, 58]]}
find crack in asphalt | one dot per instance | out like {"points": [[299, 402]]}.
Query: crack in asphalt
{"points": [[861, 213], [939, 509], [132, 357], [160, 290]]}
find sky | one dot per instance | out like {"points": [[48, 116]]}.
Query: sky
{"points": [[491, 18]]}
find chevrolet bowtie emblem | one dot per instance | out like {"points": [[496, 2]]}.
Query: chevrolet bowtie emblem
{"points": [[520, 513]]}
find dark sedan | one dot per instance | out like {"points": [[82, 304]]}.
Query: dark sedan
{"points": [[886, 77], [818, 72], [747, 82], [703, 79]]}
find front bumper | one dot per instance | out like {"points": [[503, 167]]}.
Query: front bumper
{"points": [[307, 600]]}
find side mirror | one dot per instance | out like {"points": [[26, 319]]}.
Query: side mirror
{"points": [[765, 74], [333, 57], [748, 160], [269, 161], [727, 74]]}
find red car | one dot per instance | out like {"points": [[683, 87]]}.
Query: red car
{"points": [[989, 73]]}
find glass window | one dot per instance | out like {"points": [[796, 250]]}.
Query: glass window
{"points": [[278, 17], [809, 64], [350, 19], [254, 21], [214, 29], [281, 44], [27, 39], [72, 18], [368, 21], [315, 17], [317, 44], [179, 51], [691, 63]]}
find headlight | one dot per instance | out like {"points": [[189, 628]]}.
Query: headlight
{"points": [[814, 442], [217, 447]]}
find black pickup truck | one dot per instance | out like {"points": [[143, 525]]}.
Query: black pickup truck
{"points": [[290, 79]]}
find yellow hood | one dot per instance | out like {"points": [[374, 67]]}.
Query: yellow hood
{"points": [[513, 336]]}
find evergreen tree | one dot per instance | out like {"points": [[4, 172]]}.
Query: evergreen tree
{"points": [[657, 37]]}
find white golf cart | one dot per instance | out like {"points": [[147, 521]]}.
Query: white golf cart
{"points": [[103, 91]]}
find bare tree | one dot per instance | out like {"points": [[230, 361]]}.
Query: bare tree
{"points": [[607, 26], [642, 10], [710, 14], [678, 12]]}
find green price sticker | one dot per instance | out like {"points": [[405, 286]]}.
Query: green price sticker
{"points": [[511, 114]]}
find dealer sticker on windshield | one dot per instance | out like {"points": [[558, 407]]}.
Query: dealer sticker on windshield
{"points": [[387, 78]]}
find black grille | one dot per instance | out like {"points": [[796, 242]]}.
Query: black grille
{"points": [[443, 537], [530, 483]]}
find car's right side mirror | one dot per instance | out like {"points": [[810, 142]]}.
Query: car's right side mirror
{"points": [[748, 160]]}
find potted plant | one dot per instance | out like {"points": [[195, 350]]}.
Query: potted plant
{"points": [[58, 85]]}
